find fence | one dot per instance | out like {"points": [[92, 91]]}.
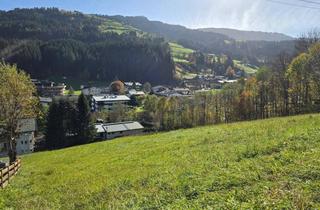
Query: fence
{"points": [[8, 173]]}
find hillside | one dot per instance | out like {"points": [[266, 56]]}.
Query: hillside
{"points": [[56, 43], [180, 56], [269, 164], [249, 35]]}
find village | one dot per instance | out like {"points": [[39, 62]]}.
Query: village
{"points": [[106, 99], [137, 104]]}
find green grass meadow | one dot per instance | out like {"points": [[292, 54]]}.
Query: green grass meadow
{"points": [[248, 69], [180, 53], [269, 164], [110, 26]]}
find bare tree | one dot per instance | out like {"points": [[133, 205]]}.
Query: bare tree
{"points": [[307, 40]]}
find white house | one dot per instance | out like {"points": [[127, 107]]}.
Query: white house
{"points": [[26, 138], [107, 102], [114, 130]]}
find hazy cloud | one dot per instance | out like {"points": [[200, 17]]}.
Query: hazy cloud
{"points": [[257, 15]]}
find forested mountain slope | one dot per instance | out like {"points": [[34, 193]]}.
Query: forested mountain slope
{"points": [[52, 42], [211, 42]]}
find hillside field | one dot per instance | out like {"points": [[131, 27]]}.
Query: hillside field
{"points": [[180, 53], [269, 164], [249, 69]]}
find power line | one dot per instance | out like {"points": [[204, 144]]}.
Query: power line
{"points": [[310, 2], [294, 5]]}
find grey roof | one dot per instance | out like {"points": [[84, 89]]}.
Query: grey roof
{"points": [[27, 125], [118, 127], [99, 128], [134, 126], [111, 98], [45, 99], [24, 126], [115, 128]]}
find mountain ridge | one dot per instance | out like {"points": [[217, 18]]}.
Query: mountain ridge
{"points": [[249, 35], [209, 42]]}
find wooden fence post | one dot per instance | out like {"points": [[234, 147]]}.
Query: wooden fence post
{"points": [[8, 172], [1, 178]]}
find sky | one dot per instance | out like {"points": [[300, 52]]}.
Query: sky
{"points": [[292, 17]]}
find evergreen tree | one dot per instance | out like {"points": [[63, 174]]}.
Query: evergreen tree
{"points": [[61, 130], [54, 133], [85, 126], [69, 121]]}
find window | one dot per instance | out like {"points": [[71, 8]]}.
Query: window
{"points": [[21, 142], [26, 142]]}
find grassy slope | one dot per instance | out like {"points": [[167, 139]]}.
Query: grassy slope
{"points": [[109, 26], [179, 50], [271, 163], [246, 68], [180, 53], [180, 56]]}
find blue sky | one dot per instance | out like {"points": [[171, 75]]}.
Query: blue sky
{"points": [[261, 15]]}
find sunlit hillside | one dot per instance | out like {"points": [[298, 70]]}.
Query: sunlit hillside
{"points": [[270, 164]]}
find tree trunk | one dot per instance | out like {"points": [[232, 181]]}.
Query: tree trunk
{"points": [[12, 151]]}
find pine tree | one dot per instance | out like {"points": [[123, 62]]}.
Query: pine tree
{"points": [[54, 133], [85, 126]]}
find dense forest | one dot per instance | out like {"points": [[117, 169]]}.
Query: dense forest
{"points": [[55, 43]]}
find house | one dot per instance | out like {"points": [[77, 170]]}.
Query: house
{"points": [[45, 101], [25, 140], [134, 92], [46, 88], [182, 91], [114, 130], [107, 102], [159, 88], [95, 91], [171, 92]]}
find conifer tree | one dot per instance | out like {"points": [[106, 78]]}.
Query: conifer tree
{"points": [[85, 125], [54, 133]]}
